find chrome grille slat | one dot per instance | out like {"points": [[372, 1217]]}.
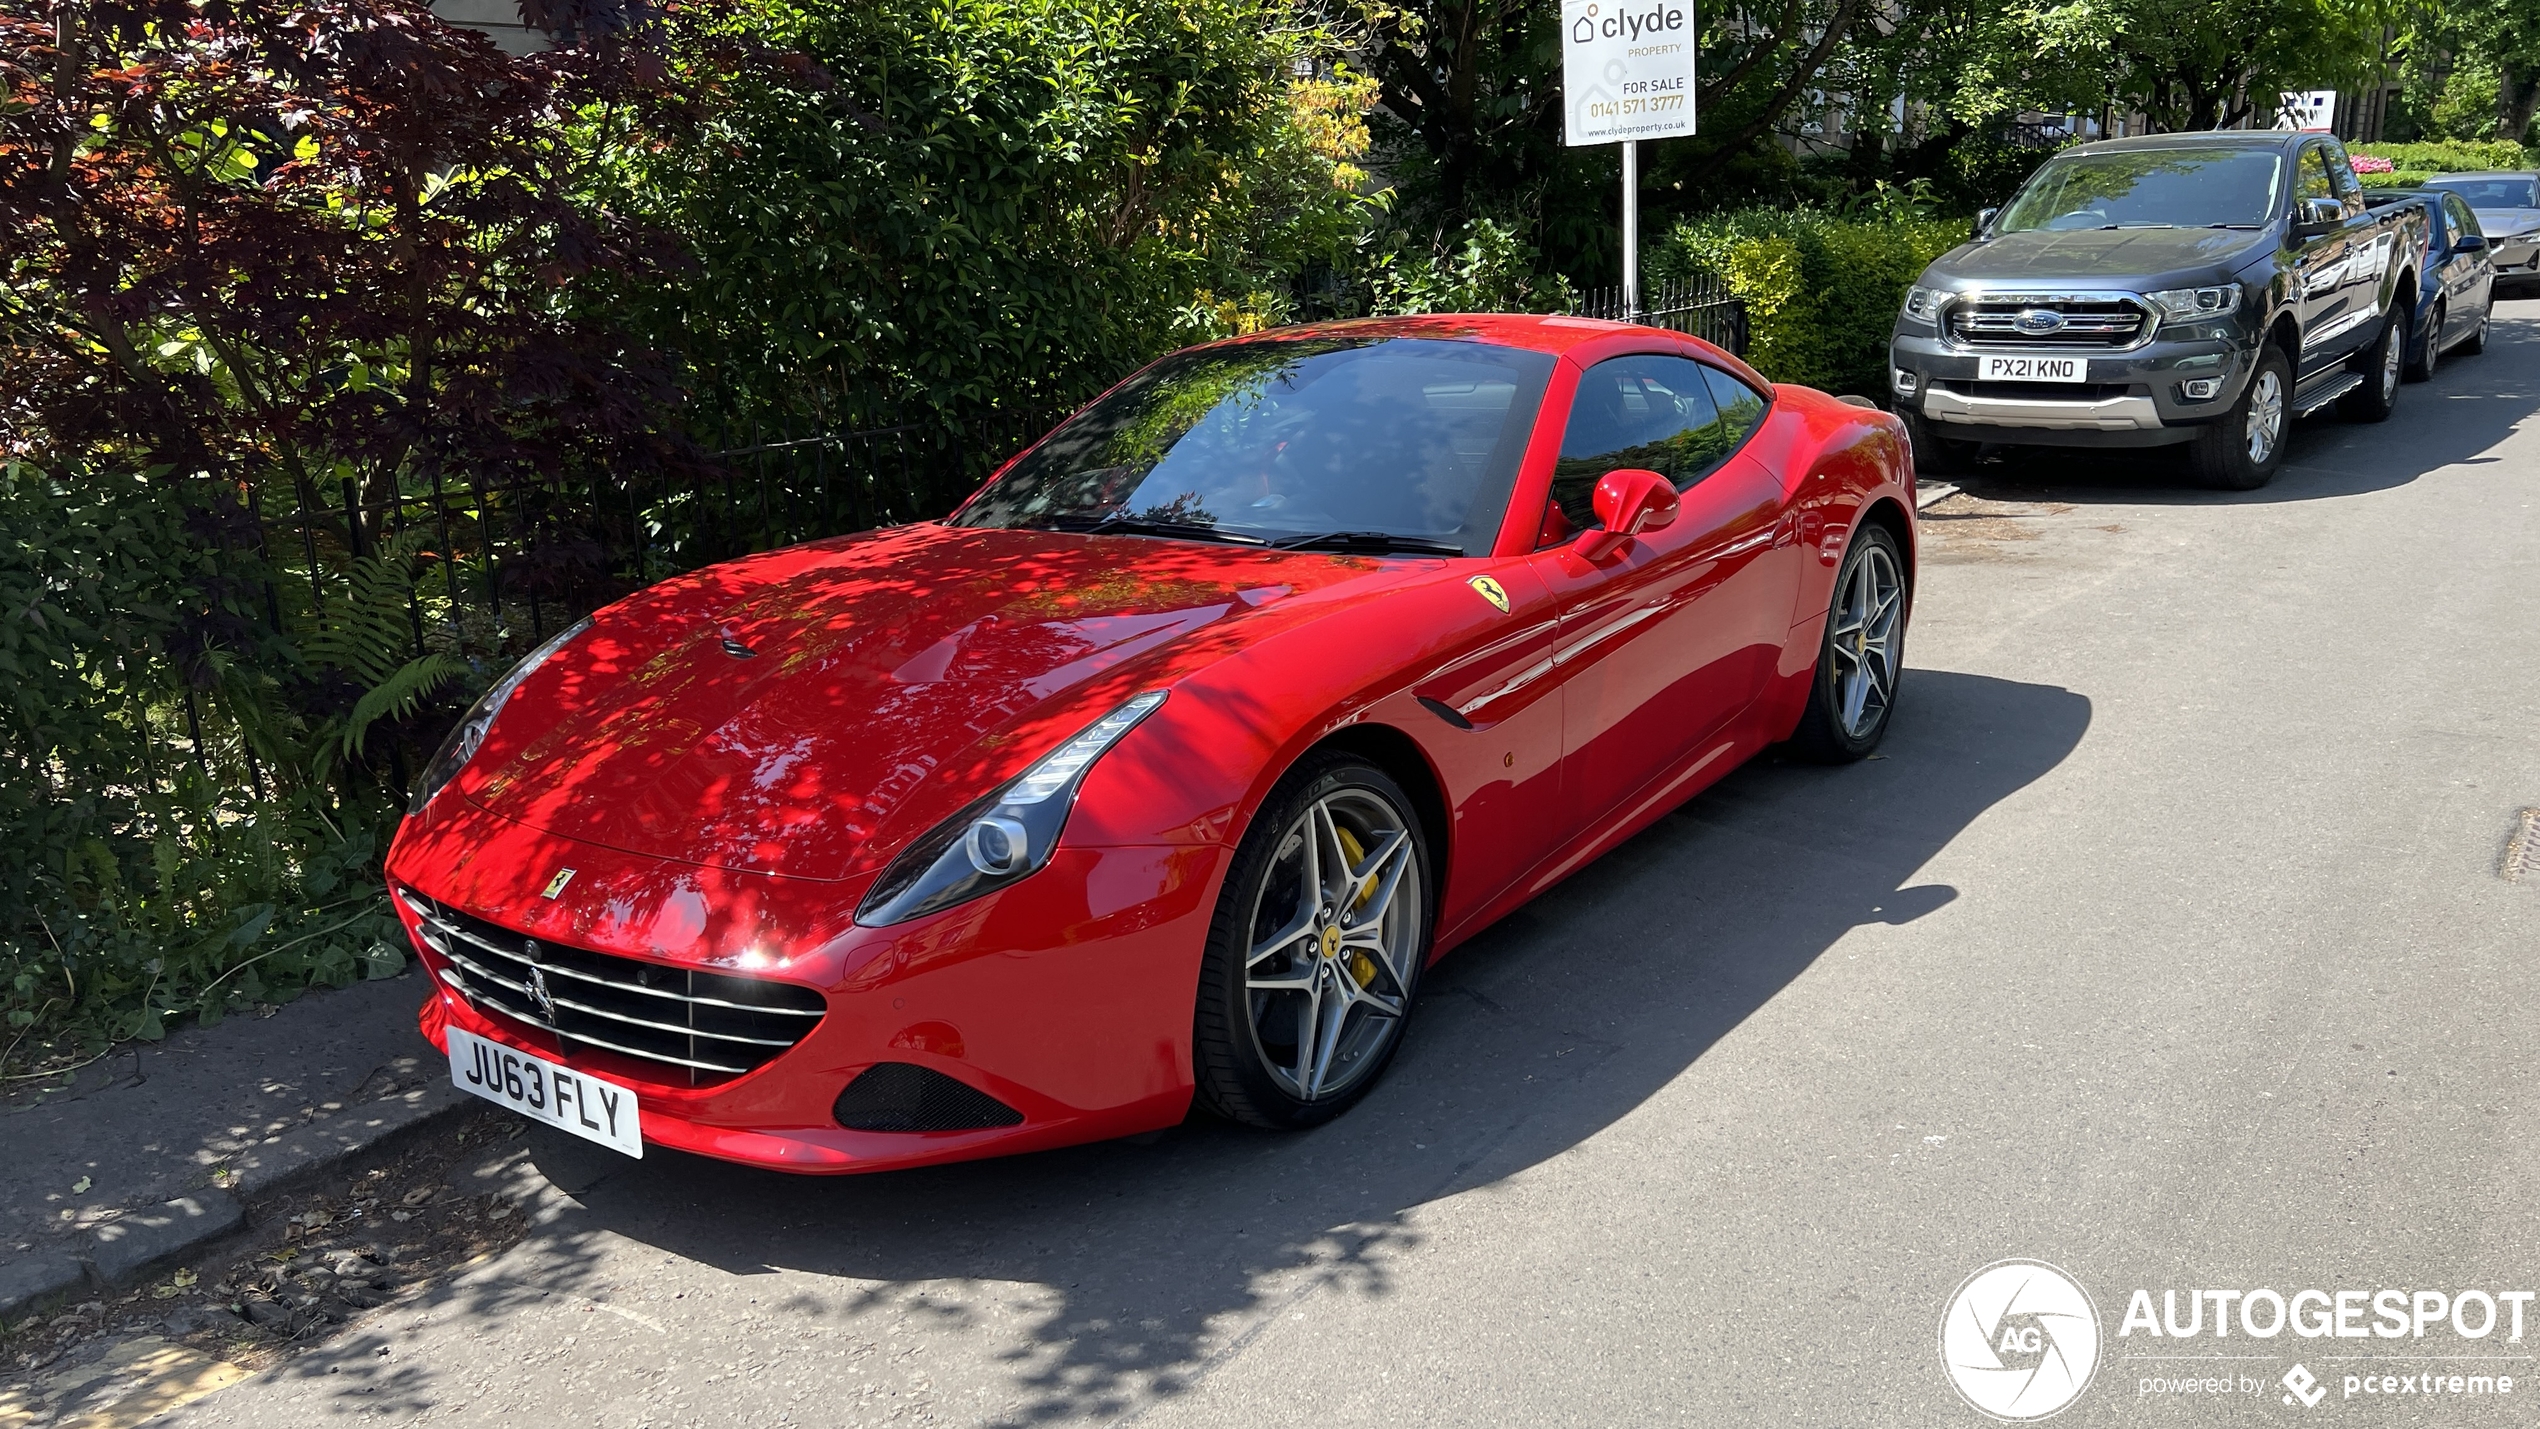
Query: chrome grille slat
{"points": [[682, 1030], [487, 973], [684, 1025], [516, 1014], [2096, 322], [682, 997]]}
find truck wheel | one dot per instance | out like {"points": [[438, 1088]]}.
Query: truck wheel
{"points": [[2242, 451], [2431, 357], [1934, 454], [2372, 401], [2476, 342]]}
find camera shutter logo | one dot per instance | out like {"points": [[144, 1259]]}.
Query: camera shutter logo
{"points": [[2020, 1340]]}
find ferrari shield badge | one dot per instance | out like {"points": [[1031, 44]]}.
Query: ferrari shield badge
{"points": [[555, 885], [1490, 591]]}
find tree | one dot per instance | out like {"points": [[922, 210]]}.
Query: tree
{"points": [[2189, 64], [260, 262], [954, 207]]}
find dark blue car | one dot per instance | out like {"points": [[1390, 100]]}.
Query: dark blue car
{"points": [[2459, 287]]}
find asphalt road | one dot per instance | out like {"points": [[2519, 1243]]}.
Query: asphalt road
{"points": [[2167, 943]]}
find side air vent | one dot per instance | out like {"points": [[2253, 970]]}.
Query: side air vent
{"points": [[897, 1096]]}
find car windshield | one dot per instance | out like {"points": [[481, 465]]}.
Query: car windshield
{"points": [[1405, 441], [2150, 188], [2491, 193]]}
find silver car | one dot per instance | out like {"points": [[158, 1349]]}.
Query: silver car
{"points": [[2507, 203]]}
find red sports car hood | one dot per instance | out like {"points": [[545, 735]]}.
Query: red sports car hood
{"points": [[888, 679]]}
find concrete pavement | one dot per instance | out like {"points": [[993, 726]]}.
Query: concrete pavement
{"points": [[2166, 943]]}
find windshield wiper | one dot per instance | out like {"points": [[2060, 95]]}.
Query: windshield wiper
{"points": [[2248, 227], [1371, 542], [1139, 526]]}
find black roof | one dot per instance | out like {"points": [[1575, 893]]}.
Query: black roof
{"points": [[2274, 139]]}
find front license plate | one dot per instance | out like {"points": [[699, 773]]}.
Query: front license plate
{"points": [[2034, 369], [537, 1088]]}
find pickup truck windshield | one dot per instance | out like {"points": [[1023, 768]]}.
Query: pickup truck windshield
{"points": [[2491, 193], [2150, 188]]}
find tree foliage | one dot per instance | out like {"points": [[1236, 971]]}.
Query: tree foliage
{"points": [[264, 270], [966, 205]]}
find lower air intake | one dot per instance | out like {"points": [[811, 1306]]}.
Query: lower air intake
{"points": [[896, 1096]]}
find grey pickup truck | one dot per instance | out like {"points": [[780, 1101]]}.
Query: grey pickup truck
{"points": [[2198, 289]]}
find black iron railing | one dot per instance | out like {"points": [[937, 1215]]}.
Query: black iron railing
{"points": [[1700, 305]]}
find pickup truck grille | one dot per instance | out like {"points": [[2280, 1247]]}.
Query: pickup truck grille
{"points": [[680, 1025], [2022, 322]]}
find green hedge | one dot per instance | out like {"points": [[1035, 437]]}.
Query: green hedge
{"points": [[2452, 156], [1821, 288]]}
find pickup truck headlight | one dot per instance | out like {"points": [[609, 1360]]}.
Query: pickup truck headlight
{"points": [[2188, 305], [1922, 304], [460, 747], [1000, 838]]}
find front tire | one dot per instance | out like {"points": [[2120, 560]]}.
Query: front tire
{"points": [[1860, 657], [1315, 954], [2242, 451], [1934, 454], [2374, 401]]}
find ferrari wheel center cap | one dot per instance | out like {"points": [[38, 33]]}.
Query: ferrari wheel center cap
{"points": [[1332, 941]]}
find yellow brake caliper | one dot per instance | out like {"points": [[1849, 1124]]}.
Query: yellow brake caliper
{"points": [[1361, 966]]}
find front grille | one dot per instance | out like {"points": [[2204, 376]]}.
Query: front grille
{"points": [[901, 1096], [2087, 322], [698, 1027]]}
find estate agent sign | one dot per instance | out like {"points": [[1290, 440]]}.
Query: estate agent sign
{"points": [[1627, 69]]}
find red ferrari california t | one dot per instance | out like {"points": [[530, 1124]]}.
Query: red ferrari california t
{"points": [[1163, 767]]}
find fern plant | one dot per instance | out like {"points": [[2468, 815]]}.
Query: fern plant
{"points": [[369, 634]]}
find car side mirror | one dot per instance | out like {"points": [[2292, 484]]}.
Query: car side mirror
{"points": [[1628, 501], [2470, 243], [1984, 219], [2318, 215]]}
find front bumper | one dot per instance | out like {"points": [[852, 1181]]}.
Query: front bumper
{"points": [[2517, 265], [1067, 996], [2134, 397]]}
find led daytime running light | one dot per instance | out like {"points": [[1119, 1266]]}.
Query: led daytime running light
{"points": [[1060, 766]]}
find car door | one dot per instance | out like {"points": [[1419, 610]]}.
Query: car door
{"points": [[1668, 638], [2325, 295], [2472, 276]]}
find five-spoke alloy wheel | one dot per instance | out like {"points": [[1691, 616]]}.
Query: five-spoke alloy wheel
{"points": [[1317, 946], [1863, 655]]}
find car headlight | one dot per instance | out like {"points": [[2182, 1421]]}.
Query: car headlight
{"points": [[460, 747], [998, 839], [2187, 305], [1922, 304]]}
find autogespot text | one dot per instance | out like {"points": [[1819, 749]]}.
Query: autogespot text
{"points": [[2338, 1314]]}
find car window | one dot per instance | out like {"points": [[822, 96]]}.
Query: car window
{"points": [[1741, 406], [1647, 411], [2181, 187], [1290, 437], [2463, 221], [2313, 181], [2342, 173], [2492, 192]]}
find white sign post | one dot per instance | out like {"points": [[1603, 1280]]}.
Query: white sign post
{"points": [[1627, 75]]}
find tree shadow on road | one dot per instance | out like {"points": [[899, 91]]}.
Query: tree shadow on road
{"points": [[2470, 406], [1137, 1265]]}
